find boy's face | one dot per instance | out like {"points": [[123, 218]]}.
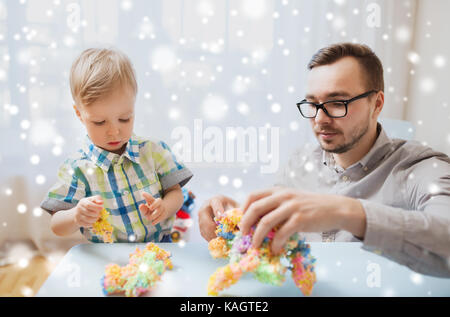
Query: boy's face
{"points": [[109, 120]]}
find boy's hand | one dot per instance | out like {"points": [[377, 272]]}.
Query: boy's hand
{"points": [[88, 211], [154, 210]]}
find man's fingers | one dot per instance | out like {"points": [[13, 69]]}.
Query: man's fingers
{"points": [[270, 221], [255, 196], [229, 201], [258, 209], [207, 226], [217, 207], [292, 226]]}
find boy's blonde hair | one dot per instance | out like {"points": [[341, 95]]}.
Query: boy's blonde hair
{"points": [[98, 71]]}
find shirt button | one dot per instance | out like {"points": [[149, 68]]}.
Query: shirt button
{"points": [[365, 168], [126, 192], [345, 178]]}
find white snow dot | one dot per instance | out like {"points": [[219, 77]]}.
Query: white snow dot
{"points": [[276, 108], [223, 180], [389, 292], [143, 267], [22, 208], [439, 61], [26, 290], [40, 179], [416, 278], [413, 57], [56, 150], [433, 189], [243, 108], [181, 243], [403, 34], [34, 159], [37, 212], [237, 183], [13, 110], [254, 9], [163, 59], [25, 124], [174, 114], [294, 125], [427, 85], [214, 107], [309, 166], [8, 192], [131, 238], [126, 5]]}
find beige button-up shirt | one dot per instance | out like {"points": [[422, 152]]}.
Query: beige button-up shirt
{"points": [[404, 188]]}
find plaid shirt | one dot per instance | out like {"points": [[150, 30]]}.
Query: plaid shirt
{"points": [[145, 166]]}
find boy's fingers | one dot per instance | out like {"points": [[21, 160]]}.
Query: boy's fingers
{"points": [[88, 214], [144, 209], [155, 214], [94, 207], [158, 218], [97, 200], [155, 204], [148, 198]]}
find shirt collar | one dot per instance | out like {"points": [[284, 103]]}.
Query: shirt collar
{"points": [[380, 148], [104, 159]]}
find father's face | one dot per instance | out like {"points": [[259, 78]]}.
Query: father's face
{"points": [[341, 80]]}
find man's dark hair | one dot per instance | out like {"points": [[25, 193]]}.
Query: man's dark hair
{"points": [[370, 63]]}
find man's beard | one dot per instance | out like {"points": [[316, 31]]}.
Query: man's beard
{"points": [[356, 135]]}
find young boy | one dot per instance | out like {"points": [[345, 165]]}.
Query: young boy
{"points": [[138, 181]]}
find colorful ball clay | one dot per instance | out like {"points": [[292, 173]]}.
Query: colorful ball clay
{"points": [[265, 266], [140, 275]]}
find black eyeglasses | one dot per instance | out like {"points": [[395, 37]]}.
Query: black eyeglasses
{"points": [[333, 108]]}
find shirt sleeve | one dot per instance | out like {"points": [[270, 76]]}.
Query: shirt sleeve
{"points": [[170, 170], [66, 192], [420, 237]]}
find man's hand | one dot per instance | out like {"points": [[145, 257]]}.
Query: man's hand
{"points": [[213, 207], [154, 210], [299, 211]]}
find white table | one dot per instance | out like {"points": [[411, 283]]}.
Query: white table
{"points": [[343, 269]]}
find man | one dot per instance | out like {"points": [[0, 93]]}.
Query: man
{"points": [[357, 185]]}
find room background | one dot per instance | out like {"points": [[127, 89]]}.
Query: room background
{"points": [[220, 64]]}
